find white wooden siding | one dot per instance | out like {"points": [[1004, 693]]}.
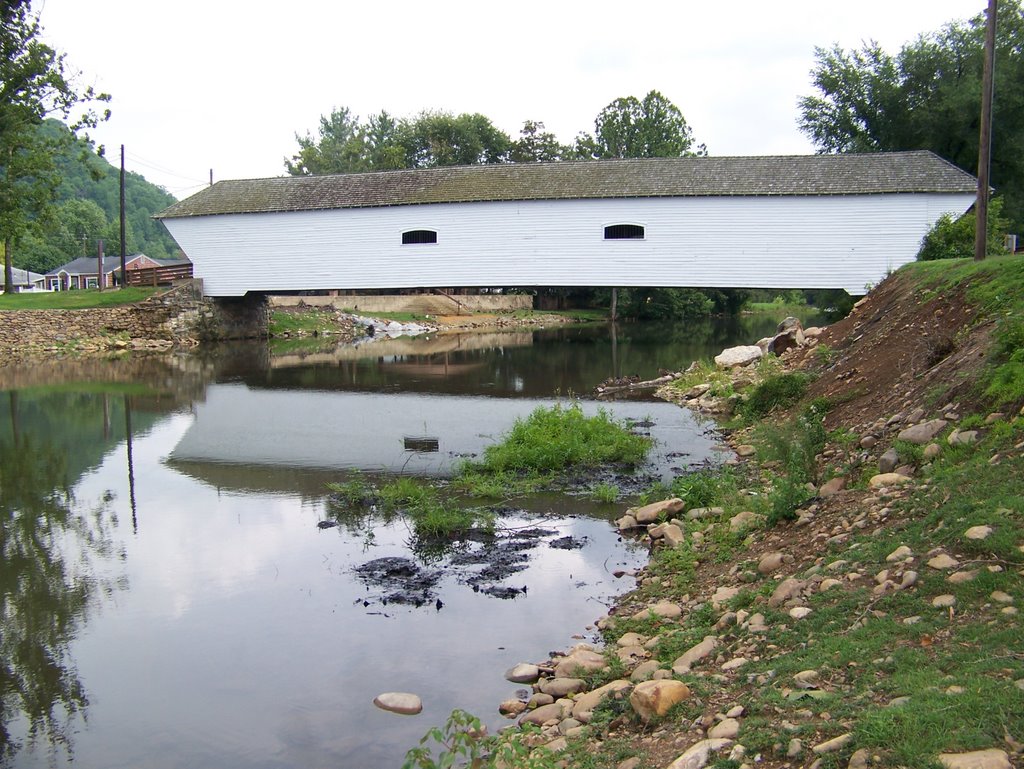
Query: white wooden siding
{"points": [[845, 242]]}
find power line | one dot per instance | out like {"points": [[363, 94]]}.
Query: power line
{"points": [[136, 160]]}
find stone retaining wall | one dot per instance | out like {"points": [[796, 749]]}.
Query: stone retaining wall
{"points": [[179, 317]]}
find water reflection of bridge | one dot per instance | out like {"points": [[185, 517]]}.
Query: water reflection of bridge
{"points": [[426, 355]]}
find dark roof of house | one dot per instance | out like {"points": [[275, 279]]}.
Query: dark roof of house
{"points": [[883, 172], [86, 265]]}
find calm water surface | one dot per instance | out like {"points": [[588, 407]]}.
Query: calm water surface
{"points": [[168, 599]]}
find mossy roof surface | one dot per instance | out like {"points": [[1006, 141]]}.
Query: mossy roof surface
{"points": [[852, 174]]}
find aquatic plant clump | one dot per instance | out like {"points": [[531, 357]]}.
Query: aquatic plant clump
{"points": [[559, 438]]}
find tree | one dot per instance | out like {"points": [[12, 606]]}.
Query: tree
{"points": [[535, 145], [633, 128], [338, 149], [34, 83], [927, 96], [442, 139]]}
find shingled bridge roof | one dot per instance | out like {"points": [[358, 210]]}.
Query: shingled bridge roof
{"points": [[850, 174]]}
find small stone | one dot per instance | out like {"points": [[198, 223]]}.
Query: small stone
{"points": [[832, 487], [943, 561], [523, 673], [807, 679], [965, 438], [735, 712], [923, 433], [931, 452], [944, 601], [888, 461], [644, 671], [1000, 597], [736, 662], [787, 589], [993, 758], [579, 662], [883, 480], [978, 532], [728, 729], [1009, 611], [909, 580], [402, 703], [900, 553], [652, 699], [694, 654], [959, 577], [742, 521], [666, 610], [799, 612], [511, 708], [828, 584], [562, 687], [673, 534], [770, 563], [836, 743], [627, 522], [698, 754], [868, 442], [859, 760], [723, 594], [542, 715], [745, 450], [655, 511]]}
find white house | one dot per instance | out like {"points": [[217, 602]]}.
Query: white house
{"points": [[821, 221]]}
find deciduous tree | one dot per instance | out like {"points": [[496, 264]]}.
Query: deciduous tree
{"points": [[652, 127], [927, 96], [35, 82]]}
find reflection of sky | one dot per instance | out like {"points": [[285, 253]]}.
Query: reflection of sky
{"points": [[366, 431], [242, 639]]}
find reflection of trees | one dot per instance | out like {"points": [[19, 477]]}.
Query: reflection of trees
{"points": [[45, 591]]}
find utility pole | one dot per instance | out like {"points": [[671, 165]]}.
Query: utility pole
{"points": [[99, 266], [211, 177], [985, 142], [124, 258]]}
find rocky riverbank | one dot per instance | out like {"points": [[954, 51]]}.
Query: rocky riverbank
{"points": [[845, 594]]}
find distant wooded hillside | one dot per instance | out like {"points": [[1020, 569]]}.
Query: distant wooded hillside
{"points": [[87, 210]]}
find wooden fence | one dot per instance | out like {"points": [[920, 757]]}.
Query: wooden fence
{"points": [[158, 276]]}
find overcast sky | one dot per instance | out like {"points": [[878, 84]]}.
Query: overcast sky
{"points": [[226, 84]]}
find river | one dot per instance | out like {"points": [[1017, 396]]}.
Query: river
{"points": [[171, 597]]}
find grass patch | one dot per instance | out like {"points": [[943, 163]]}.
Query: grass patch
{"points": [[305, 323], [81, 299], [551, 440]]}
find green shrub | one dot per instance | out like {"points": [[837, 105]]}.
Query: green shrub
{"points": [[954, 238], [558, 438], [779, 391]]}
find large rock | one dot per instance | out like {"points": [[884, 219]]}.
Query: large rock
{"points": [[653, 699], [924, 432], [402, 703], [694, 654], [580, 661], [583, 707], [888, 479], [738, 356], [655, 511], [673, 535], [789, 334], [993, 758]]}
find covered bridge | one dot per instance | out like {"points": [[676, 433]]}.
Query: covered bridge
{"points": [[819, 221]]}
